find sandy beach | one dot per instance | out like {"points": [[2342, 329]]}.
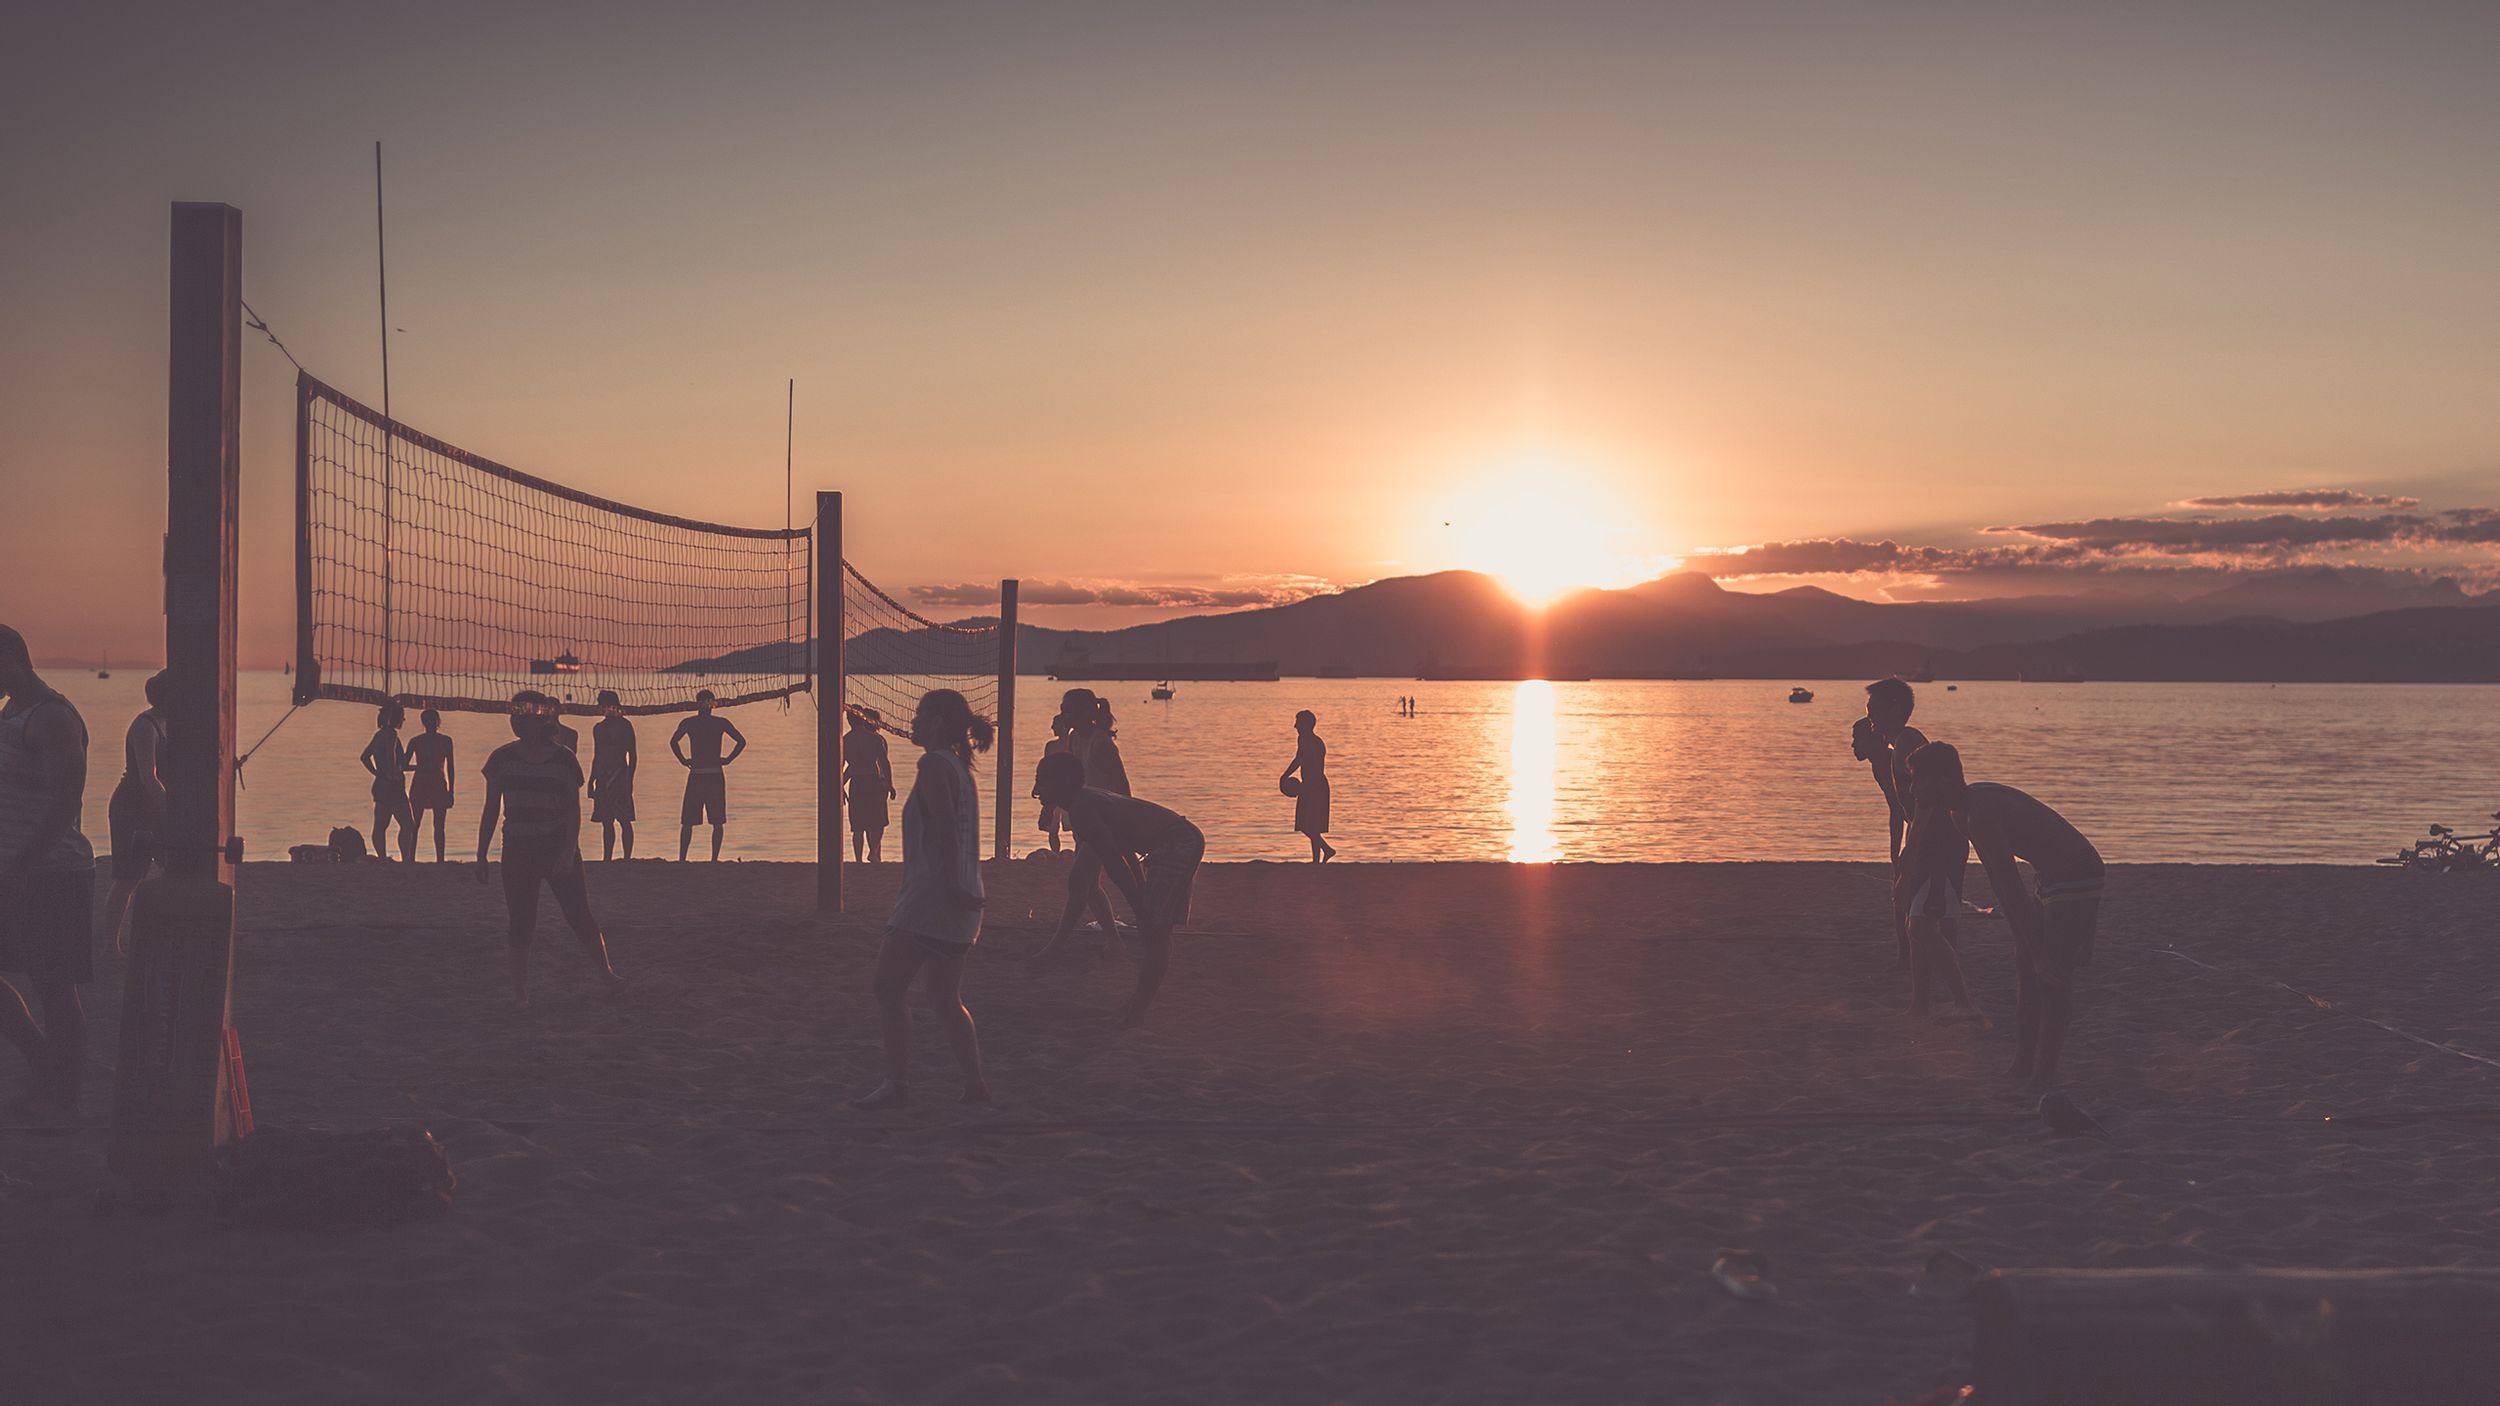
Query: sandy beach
{"points": [[1396, 1133]]}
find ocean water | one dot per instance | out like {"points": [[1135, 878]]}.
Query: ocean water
{"points": [[1604, 771]]}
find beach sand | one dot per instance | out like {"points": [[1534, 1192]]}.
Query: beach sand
{"points": [[1396, 1133]]}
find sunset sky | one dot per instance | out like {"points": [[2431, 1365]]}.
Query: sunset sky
{"points": [[1167, 306]]}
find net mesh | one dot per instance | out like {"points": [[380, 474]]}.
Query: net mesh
{"points": [[891, 655], [430, 575]]}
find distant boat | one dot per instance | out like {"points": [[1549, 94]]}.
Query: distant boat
{"points": [[104, 668], [1163, 692], [1801, 695], [564, 663], [1953, 688]]}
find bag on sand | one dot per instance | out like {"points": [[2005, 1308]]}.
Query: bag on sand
{"points": [[316, 1179], [347, 842]]}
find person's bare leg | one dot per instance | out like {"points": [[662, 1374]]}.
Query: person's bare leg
{"points": [[1150, 969], [876, 846], [117, 914], [520, 900], [2027, 1009], [572, 891], [626, 828], [897, 963], [1099, 904], [716, 834], [607, 841], [439, 816], [381, 830], [65, 1042], [943, 985], [1314, 839], [685, 841], [407, 834], [859, 846], [2066, 931], [17, 1026], [1921, 945]]}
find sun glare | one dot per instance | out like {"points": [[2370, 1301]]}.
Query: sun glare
{"points": [[1544, 530]]}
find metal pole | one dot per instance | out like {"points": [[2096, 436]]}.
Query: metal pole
{"points": [[829, 710], [382, 285], [789, 430], [170, 1114], [1006, 716]]}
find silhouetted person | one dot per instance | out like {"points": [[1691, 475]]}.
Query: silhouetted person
{"points": [[47, 879], [534, 786], [1884, 740], [614, 757], [868, 783], [937, 912], [430, 771], [1093, 740], [136, 815], [1150, 854], [707, 789], [388, 761], [1310, 802], [2054, 920], [1052, 820]]}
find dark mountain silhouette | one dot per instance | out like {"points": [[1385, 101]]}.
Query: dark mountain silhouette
{"points": [[2284, 626]]}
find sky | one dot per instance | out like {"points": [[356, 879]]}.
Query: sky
{"points": [[1170, 308]]}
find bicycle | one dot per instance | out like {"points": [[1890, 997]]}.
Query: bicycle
{"points": [[2446, 851]]}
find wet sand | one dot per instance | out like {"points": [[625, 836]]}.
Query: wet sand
{"points": [[1396, 1133]]}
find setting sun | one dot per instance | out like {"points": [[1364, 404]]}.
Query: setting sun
{"points": [[1545, 529]]}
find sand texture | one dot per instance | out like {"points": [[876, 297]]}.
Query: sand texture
{"points": [[1407, 1133]]}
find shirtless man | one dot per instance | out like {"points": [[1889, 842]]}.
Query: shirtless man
{"points": [[1884, 740], [2054, 920], [47, 880], [1113, 833], [707, 790]]}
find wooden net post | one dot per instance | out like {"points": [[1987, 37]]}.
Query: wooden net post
{"points": [[1006, 716], [170, 1112], [827, 562]]}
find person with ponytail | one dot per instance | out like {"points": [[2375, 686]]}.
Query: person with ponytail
{"points": [[937, 913]]}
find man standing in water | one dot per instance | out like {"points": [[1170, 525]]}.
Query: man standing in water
{"points": [[707, 789], [47, 879], [2054, 920], [612, 762]]}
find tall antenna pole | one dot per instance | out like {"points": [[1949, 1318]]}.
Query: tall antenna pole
{"points": [[382, 285], [789, 431]]}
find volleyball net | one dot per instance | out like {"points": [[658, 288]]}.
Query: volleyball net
{"points": [[892, 655], [435, 577], [431, 575]]}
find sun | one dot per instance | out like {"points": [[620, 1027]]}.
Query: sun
{"points": [[1544, 529]]}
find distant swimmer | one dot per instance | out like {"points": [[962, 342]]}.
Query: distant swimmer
{"points": [[1310, 797], [615, 755], [534, 787], [2054, 919], [937, 911], [47, 880], [707, 789], [136, 814], [387, 759], [1150, 854], [429, 774], [868, 783]]}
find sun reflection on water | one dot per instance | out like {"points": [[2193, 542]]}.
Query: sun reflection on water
{"points": [[1531, 804]]}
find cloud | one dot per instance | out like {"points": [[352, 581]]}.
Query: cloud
{"points": [[1232, 593], [2272, 536], [2319, 499]]}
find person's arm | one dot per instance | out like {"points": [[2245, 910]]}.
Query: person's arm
{"points": [[150, 738], [1996, 856], [885, 768], [676, 751], [369, 758], [61, 757], [489, 812], [731, 729], [1080, 887]]}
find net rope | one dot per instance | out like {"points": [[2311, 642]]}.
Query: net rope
{"points": [[892, 654], [434, 576]]}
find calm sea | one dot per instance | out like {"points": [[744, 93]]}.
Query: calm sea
{"points": [[1718, 770]]}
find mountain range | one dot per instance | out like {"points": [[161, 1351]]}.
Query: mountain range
{"points": [[2320, 624]]}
